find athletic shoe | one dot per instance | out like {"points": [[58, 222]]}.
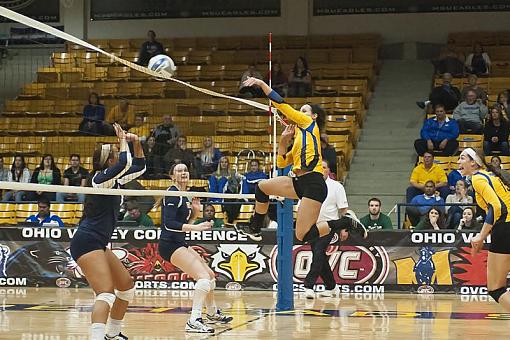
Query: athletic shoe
{"points": [[252, 232], [355, 226], [198, 326], [421, 105], [119, 336], [219, 317], [335, 292], [309, 293]]}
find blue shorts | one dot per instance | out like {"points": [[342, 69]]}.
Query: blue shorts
{"points": [[167, 247], [84, 242]]}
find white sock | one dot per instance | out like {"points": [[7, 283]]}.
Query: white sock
{"points": [[210, 303], [113, 328], [97, 331], [198, 302]]}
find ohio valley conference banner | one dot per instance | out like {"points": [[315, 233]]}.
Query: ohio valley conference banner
{"points": [[154, 9], [335, 7], [389, 261]]}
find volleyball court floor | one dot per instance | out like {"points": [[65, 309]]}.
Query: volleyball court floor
{"points": [[57, 314]]}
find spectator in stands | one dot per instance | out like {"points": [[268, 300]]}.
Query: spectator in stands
{"points": [[252, 177], [166, 135], [93, 116], [453, 177], [460, 196], [75, 176], [153, 162], [279, 80], [495, 133], [473, 86], [375, 218], [422, 203], [470, 114], [44, 216], [496, 162], [209, 157], [426, 172], [468, 220], [329, 154], [250, 91], [46, 173], [434, 220], [149, 49], [123, 114], [449, 62], [18, 173], [438, 134], [210, 216], [503, 102], [446, 94], [300, 79], [142, 130], [225, 181], [180, 154], [478, 62], [134, 214], [4, 173]]}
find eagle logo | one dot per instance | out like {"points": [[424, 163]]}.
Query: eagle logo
{"points": [[239, 262]]}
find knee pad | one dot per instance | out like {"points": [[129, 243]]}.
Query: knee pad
{"points": [[260, 196], [109, 298], [203, 285], [213, 284], [496, 294], [126, 295]]}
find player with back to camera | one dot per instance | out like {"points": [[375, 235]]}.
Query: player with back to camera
{"points": [[104, 272], [308, 183], [492, 194], [177, 216]]}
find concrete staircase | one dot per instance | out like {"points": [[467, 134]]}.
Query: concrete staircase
{"points": [[385, 156]]}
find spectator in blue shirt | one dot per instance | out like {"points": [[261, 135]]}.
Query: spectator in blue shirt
{"points": [[252, 177], [44, 217], [424, 202], [438, 134], [93, 116]]}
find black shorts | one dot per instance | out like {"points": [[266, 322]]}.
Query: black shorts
{"points": [[84, 242], [500, 238], [167, 247], [311, 185]]}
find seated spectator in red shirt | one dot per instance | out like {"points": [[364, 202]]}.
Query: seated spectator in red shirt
{"points": [[438, 134], [46, 173], [18, 173], [75, 176], [495, 133]]}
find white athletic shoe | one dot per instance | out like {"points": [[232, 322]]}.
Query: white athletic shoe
{"points": [[309, 293], [219, 317], [335, 292], [119, 336], [198, 326]]}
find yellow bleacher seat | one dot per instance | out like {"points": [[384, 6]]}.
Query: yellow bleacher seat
{"points": [[24, 210], [7, 213]]}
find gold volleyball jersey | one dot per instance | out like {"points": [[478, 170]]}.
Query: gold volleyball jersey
{"points": [[306, 150], [492, 195]]}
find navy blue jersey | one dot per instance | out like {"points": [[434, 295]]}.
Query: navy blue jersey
{"points": [[101, 211], [175, 212]]}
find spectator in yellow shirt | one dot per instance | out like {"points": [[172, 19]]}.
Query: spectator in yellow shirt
{"points": [[123, 114], [142, 130], [427, 171]]}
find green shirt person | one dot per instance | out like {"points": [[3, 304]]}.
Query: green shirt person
{"points": [[376, 220], [134, 214], [209, 215]]}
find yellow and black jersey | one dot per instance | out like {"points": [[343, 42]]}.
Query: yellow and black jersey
{"points": [[492, 195], [306, 150]]}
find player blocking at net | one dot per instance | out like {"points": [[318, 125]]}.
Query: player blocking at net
{"points": [[108, 277], [308, 183]]}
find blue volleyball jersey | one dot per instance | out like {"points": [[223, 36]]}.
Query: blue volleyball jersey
{"points": [[175, 212], [101, 211]]}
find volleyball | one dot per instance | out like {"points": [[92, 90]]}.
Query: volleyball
{"points": [[162, 63]]}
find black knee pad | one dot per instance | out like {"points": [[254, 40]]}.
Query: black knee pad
{"points": [[260, 196], [496, 294]]}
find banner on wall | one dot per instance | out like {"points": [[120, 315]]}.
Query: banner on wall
{"points": [[334, 7], [396, 261], [158, 9], [41, 10]]}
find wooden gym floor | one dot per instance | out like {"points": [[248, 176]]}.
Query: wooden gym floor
{"points": [[58, 314]]}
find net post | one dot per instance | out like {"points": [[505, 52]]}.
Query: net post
{"points": [[285, 240]]}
